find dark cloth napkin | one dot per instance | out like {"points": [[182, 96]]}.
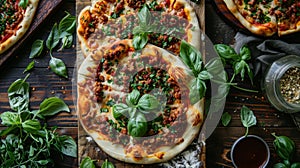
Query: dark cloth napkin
{"points": [[265, 52]]}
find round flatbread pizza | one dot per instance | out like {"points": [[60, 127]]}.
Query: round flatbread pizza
{"points": [[135, 104], [15, 19], [164, 22], [267, 17]]}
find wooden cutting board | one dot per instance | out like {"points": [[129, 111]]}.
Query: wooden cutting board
{"points": [[45, 8]]}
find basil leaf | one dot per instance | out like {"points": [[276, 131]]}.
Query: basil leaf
{"points": [[52, 106], [36, 49], [137, 126], [191, 57], [53, 38], [29, 67], [67, 42], [226, 118], [58, 67], [239, 67], [204, 75], [248, 118], [250, 73], [120, 110], [245, 53], [147, 103], [66, 26], [23, 3], [280, 165], [133, 98], [197, 90], [214, 66], [31, 126], [226, 52], [9, 130], [87, 162], [107, 164], [10, 118], [18, 95], [42, 162], [295, 165], [144, 16], [140, 40], [68, 146]]}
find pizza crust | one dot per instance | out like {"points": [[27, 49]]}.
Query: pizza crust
{"points": [[87, 107], [24, 25]]}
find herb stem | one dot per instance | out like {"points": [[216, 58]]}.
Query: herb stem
{"points": [[247, 131], [246, 90]]}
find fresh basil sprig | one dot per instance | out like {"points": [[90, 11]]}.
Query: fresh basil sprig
{"points": [[248, 118], [135, 109], [193, 59], [140, 32], [238, 61], [23, 3], [26, 134]]}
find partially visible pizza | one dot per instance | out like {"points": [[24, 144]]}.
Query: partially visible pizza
{"points": [[136, 105], [15, 19], [267, 17], [109, 20]]}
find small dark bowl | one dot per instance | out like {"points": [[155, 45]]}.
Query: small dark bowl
{"points": [[250, 151]]}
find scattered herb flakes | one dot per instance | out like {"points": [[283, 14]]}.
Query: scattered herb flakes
{"points": [[290, 84]]}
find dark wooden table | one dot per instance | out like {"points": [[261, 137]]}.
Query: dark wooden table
{"points": [[45, 84]]}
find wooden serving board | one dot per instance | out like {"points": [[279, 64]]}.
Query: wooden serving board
{"points": [[222, 9], [45, 9], [86, 145]]}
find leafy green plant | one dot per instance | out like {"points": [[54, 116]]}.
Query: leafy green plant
{"points": [[237, 61], [248, 118], [285, 149], [135, 109], [29, 67], [26, 141], [62, 32]]}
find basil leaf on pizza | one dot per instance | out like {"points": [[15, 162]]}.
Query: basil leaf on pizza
{"points": [[23, 3], [140, 40], [147, 103], [191, 57], [137, 125], [132, 98], [120, 110]]}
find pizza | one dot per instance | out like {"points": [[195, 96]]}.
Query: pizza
{"points": [[109, 20], [135, 104], [15, 19], [267, 17]]}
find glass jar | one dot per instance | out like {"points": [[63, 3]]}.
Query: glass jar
{"points": [[271, 83]]}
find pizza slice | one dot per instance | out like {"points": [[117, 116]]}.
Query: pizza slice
{"points": [[288, 16], [15, 19], [166, 23], [136, 105], [254, 15]]}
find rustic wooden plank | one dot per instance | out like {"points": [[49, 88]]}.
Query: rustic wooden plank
{"points": [[44, 10]]}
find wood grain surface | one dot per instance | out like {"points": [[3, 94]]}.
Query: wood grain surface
{"points": [[45, 84], [44, 10]]}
